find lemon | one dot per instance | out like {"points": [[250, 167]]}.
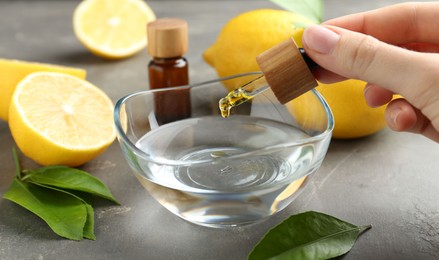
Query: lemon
{"points": [[248, 35], [308, 112], [12, 71], [353, 118], [112, 29], [251, 33], [56, 118]]}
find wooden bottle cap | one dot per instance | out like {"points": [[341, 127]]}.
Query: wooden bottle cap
{"points": [[167, 37], [286, 71]]}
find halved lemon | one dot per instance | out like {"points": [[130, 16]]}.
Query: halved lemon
{"points": [[112, 29], [12, 71], [58, 119]]}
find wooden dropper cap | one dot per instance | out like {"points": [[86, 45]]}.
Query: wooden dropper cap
{"points": [[286, 71], [167, 37]]}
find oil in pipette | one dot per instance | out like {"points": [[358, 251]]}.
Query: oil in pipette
{"points": [[287, 71], [240, 95]]}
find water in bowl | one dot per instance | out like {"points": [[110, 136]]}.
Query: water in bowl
{"points": [[201, 172]]}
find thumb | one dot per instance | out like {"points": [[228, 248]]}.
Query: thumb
{"points": [[355, 55]]}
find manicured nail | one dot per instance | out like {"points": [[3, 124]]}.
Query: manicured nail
{"points": [[366, 89], [365, 92], [394, 116], [320, 39]]}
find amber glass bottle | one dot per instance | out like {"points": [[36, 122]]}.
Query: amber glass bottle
{"points": [[167, 43]]}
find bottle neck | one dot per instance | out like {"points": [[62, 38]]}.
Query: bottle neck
{"points": [[169, 60]]}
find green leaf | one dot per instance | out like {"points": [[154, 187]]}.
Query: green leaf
{"points": [[89, 232], [70, 178], [308, 235], [312, 9], [17, 163], [66, 215], [90, 222], [86, 198]]}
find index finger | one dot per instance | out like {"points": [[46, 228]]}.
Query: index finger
{"points": [[397, 24]]}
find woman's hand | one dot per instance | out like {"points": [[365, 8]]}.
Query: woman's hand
{"points": [[394, 49]]}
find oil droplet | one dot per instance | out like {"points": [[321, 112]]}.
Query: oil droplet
{"points": [[217, 154]]}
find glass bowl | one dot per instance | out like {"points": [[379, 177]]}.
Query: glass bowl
{"points": [[222, 172]]}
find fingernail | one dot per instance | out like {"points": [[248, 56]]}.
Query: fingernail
{"points": [[394, 116], [366, 89], [320, 39], [366, 96]]}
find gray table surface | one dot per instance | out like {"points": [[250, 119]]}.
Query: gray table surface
{"points": [[389, 180]]}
